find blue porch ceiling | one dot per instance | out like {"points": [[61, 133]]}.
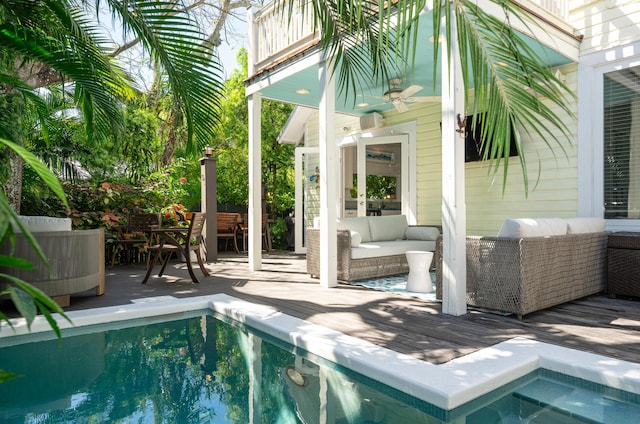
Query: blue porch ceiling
{"points": [[287, 89]]}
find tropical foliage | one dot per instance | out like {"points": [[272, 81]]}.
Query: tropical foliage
{"points": [[130, 175], [56, 47], [231, 146]]}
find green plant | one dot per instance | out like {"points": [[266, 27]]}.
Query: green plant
{"points": [[173, 215], [169, 185], [279, 234], [106, 204]]}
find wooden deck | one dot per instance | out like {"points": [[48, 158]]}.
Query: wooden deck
{"points": [[597, 324]]}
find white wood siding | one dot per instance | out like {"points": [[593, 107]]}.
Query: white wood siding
{"points": [[605, 23], [555, 194]]}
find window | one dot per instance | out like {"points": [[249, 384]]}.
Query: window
{"points": [[621, 126], [475, 147]]}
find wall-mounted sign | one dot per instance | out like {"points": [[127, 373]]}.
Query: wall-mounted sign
{"points": [[386, 157]]}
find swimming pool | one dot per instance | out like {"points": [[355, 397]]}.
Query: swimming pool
{"points": [[432, 391]]}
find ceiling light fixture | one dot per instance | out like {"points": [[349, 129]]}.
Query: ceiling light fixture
{"points": [[302, 91], [363, 104]]}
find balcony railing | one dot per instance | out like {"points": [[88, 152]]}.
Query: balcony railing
{"points": [[274, 38], [558, 8]]}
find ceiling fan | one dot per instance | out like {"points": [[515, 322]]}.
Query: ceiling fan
{"points": [[398, 96]]}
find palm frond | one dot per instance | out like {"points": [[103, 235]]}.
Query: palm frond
{"points": [[372, 38], [66, 43], [509, 80], [43, 172], [191, 68], [377, 39], [40, 105]]}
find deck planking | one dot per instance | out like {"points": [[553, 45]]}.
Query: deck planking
{"points": [[418, 328]]}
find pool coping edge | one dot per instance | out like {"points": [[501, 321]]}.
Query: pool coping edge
{"points": [[457, 381]]}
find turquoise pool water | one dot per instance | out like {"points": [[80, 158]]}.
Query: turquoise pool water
{"points": [[196, 368]]}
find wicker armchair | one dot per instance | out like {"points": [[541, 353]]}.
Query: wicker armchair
{"points": [[75, 258], [524, 275]]}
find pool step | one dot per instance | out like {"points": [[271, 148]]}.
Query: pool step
{"points": [[579, 404]]}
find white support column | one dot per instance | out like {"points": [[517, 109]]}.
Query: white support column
{"points": [[255, 182], [329, 172], [454, 215], [255, 379]]}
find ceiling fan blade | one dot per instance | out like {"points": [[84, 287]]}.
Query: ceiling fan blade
{"points": [[400, 107], [409, 91], [424, 99]]}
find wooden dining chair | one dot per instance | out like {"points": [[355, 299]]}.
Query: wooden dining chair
{"points": [[228, 228], [266, 234], [135, 234], [181, 241]]}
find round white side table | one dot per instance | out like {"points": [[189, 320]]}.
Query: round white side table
{"points": [[419, 280]]}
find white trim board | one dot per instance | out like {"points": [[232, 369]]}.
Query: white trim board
{"points": [[591, 70]]}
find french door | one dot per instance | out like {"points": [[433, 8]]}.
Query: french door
{"points": [[382, 180], [307, 160]]}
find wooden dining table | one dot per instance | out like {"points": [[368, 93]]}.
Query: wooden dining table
{"points": [[180, 240]]}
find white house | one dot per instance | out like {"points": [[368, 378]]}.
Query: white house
{"points": [[394, 138]]}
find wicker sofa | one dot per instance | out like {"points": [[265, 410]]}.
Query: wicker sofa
{"points": [[533, 264], [372, 246], [76, 258]]}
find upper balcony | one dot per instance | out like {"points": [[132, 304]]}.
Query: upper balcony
{"points": [[275, 40]]}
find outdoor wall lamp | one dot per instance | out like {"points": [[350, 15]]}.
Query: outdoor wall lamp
{"points": [[208, 151]]}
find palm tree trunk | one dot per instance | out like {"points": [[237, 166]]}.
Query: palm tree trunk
{"points": [[13, 186], [12, 109]]}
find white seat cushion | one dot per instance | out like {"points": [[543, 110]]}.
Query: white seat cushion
{"points": [[389, 248]]}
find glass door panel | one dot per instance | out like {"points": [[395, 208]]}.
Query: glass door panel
{"points": [[380, 184]]}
